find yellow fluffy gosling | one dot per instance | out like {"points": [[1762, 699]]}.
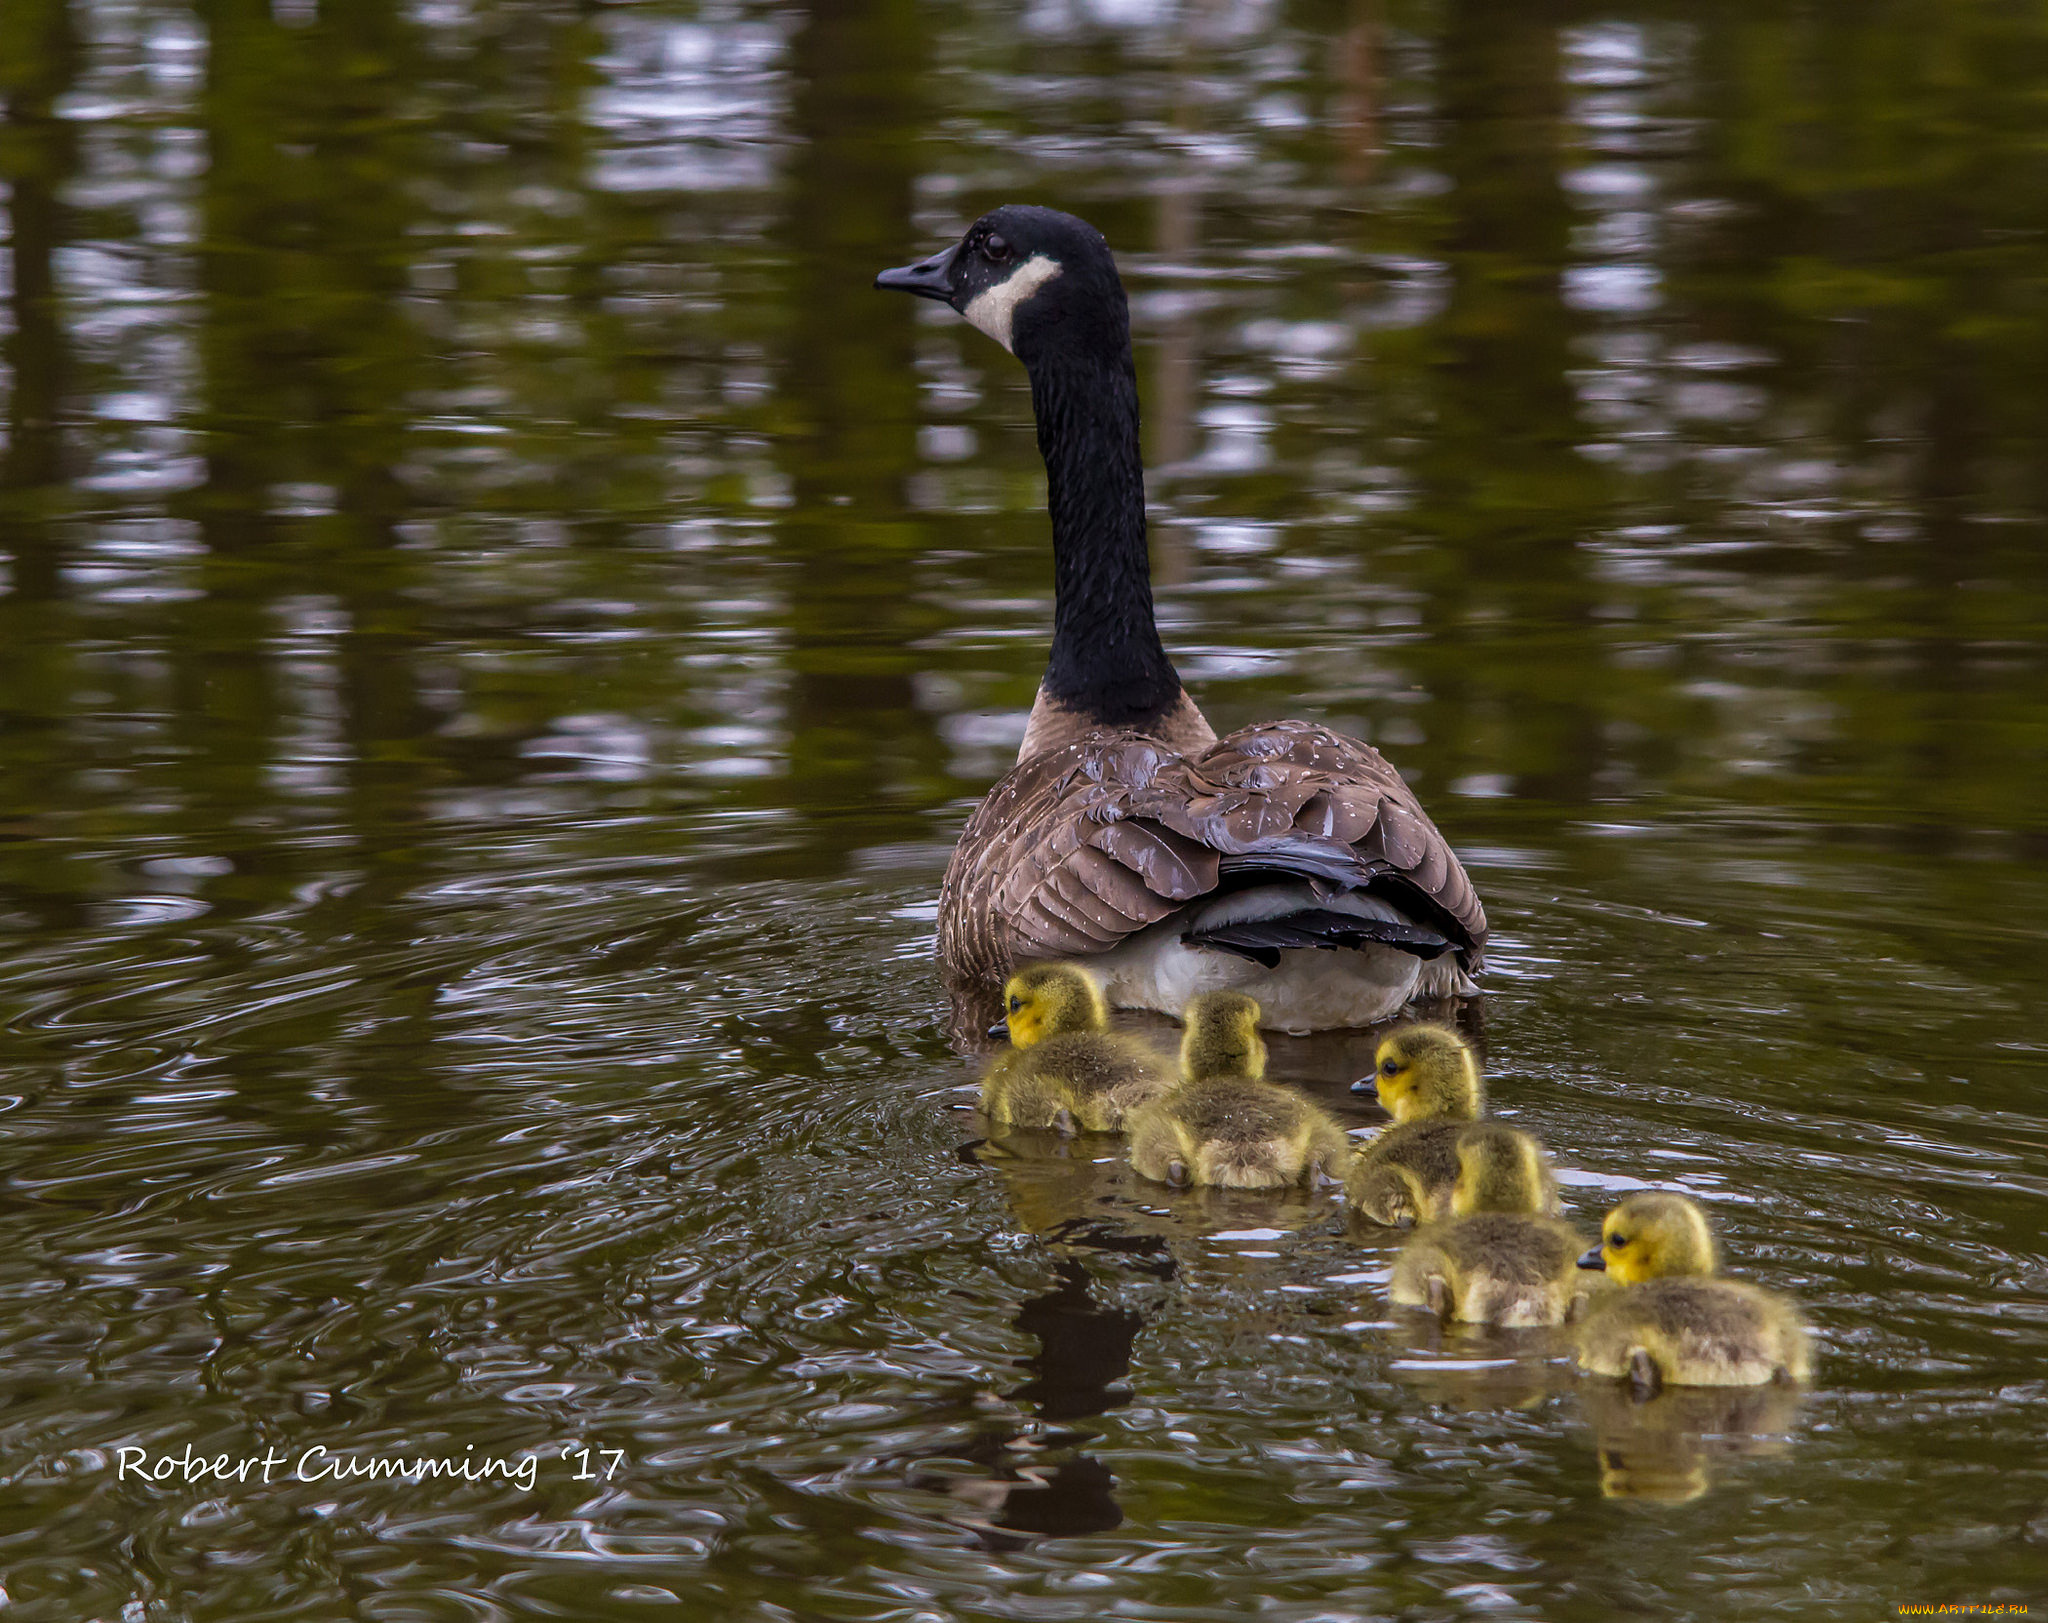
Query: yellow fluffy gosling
{"points": [[1674, 1322], [1498, 1259], [1065, 1068], [1223, 1123], [1428, 1081]]}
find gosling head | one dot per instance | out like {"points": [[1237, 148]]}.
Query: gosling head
{"points": [[1051, 1000], [1650, 1235], [1426, 1073], [1222, 1038], [1499, 1170], [1035, 280]]}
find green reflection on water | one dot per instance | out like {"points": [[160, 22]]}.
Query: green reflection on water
{"points": [[502, 625]]}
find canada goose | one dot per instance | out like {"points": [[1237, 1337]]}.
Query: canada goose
{"points": [[1222, 1123], [1428, 1081], [1673, 1322], [1128, 833], [1498, 1260], [1065, 1069]]}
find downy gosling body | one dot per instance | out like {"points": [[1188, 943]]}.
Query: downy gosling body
{"points": [[1065, 1068], [1223, 1123], [1427, 1079], [1674, 1322], [1498, 1259]]}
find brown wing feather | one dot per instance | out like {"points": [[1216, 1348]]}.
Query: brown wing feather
{"points": [[1086, 843]]}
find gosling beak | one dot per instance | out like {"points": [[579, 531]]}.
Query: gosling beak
{"points": [[929, 278], [1365, 1089], [1000, 1029], [1593, 1259]]}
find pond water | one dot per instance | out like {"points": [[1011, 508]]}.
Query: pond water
{"points": [[502, 627]]}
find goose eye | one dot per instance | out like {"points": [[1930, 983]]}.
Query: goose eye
{"points": [[1016, 1003], [1388, 1067], [1616, 1241], [995, 246]]}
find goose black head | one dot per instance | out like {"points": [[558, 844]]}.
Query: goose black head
{"points": [[1039, 282]]}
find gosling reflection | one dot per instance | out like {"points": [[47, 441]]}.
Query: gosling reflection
{"points": [[1054, 1183], [1473, 1367], [1663, 1449], [1082, 1194]]}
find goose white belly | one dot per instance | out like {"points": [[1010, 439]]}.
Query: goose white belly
{"points": [[1310, 989]]}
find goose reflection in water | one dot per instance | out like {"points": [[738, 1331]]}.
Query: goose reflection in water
{"points": [[1041, 1483]]}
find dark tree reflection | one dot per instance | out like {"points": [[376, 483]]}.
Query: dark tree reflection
{"points": [[1502, 489], [310, 368], [849, 386], [39, 58]]}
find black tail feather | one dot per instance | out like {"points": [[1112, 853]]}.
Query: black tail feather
{"points": [[1263, 940], [1330, 869]]}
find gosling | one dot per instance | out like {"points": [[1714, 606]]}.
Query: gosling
{"points": [[1223, 1123], [1428, 1081], [1498, 1259], [1673, 1322], [1065, 1069]]}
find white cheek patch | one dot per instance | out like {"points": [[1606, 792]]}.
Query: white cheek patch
{"points": [[993, 311]]}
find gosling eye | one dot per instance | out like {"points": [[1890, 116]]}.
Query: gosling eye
{"points": [[1389, 1066], [995, 247], [1016, 1005], [1616, 1241]]}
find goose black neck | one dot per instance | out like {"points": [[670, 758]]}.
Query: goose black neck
{"points": [[1107, 662]]}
